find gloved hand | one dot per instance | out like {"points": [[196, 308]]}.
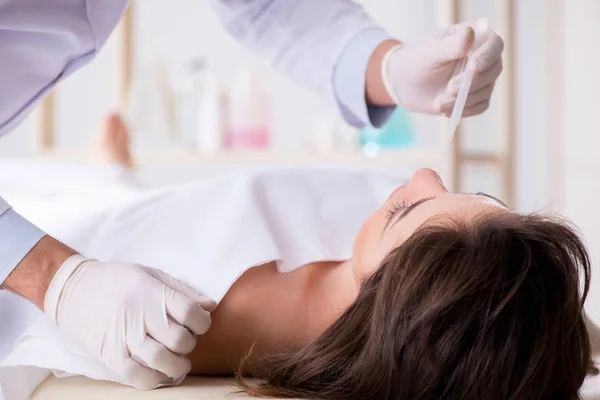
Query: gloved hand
{"points": [[138, 321], [418, 76]]}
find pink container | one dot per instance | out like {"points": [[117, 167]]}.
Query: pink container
{"points": [[244, 139], [248, 112]]}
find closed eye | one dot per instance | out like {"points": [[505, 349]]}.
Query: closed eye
{"points": [[396, 207], [399, 214]]}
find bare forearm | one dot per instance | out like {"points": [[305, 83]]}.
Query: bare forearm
{"points": [[375, 90], [34, 273]]}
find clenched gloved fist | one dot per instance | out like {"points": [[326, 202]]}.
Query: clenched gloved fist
{"points": [[418, 76], [138, 321]]}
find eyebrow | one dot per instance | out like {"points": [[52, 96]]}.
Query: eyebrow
{"points": [[404, 213], [414, 205]]}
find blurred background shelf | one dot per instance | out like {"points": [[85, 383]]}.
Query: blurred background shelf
{"points": [[240, 157]]}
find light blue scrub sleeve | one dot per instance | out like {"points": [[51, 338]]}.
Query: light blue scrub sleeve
{"points": [[17, 237], [349, 80]]}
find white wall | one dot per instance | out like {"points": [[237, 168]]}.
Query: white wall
{"points": [[530, 79], [580, 130]]}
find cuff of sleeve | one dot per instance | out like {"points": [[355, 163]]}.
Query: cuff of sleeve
{"points": [[349, 80], [17, 238]]}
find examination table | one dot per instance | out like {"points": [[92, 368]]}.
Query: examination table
{"points": [[192, 389], [88, 389]]}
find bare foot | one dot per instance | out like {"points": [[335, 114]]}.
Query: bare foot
{"points": [[113, 141]]}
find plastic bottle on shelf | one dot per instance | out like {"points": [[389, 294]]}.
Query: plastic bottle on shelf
{"points": [[149, 109], [249, 111], [201, 120], [224, 99], [209, 129], [324, 134], [189, 99], [396, 133]]}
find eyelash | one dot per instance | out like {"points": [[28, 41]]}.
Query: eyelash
{"points": [[403, 205]]}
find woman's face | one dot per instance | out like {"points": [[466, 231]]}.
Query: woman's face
{"points": [[407, 208]]}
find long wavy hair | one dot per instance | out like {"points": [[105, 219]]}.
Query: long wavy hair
{"points": [[491, 309]]}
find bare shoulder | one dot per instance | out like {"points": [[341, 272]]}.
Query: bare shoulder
{"points": [[261, 310]]}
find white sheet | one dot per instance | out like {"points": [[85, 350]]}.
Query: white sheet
{"points": [[206, 234]]}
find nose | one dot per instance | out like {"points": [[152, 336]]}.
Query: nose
{"points": [[395, 191], [428, 179]]}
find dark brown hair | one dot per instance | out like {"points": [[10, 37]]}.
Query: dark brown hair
{"points": [[486, 310]]}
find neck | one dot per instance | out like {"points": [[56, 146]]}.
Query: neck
{"points": [[331, 290]]}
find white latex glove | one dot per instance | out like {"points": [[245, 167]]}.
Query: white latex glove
{"points": [[418, 76], [138, 321]]}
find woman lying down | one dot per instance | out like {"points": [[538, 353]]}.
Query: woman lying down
{"points": [[343, 285]]}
